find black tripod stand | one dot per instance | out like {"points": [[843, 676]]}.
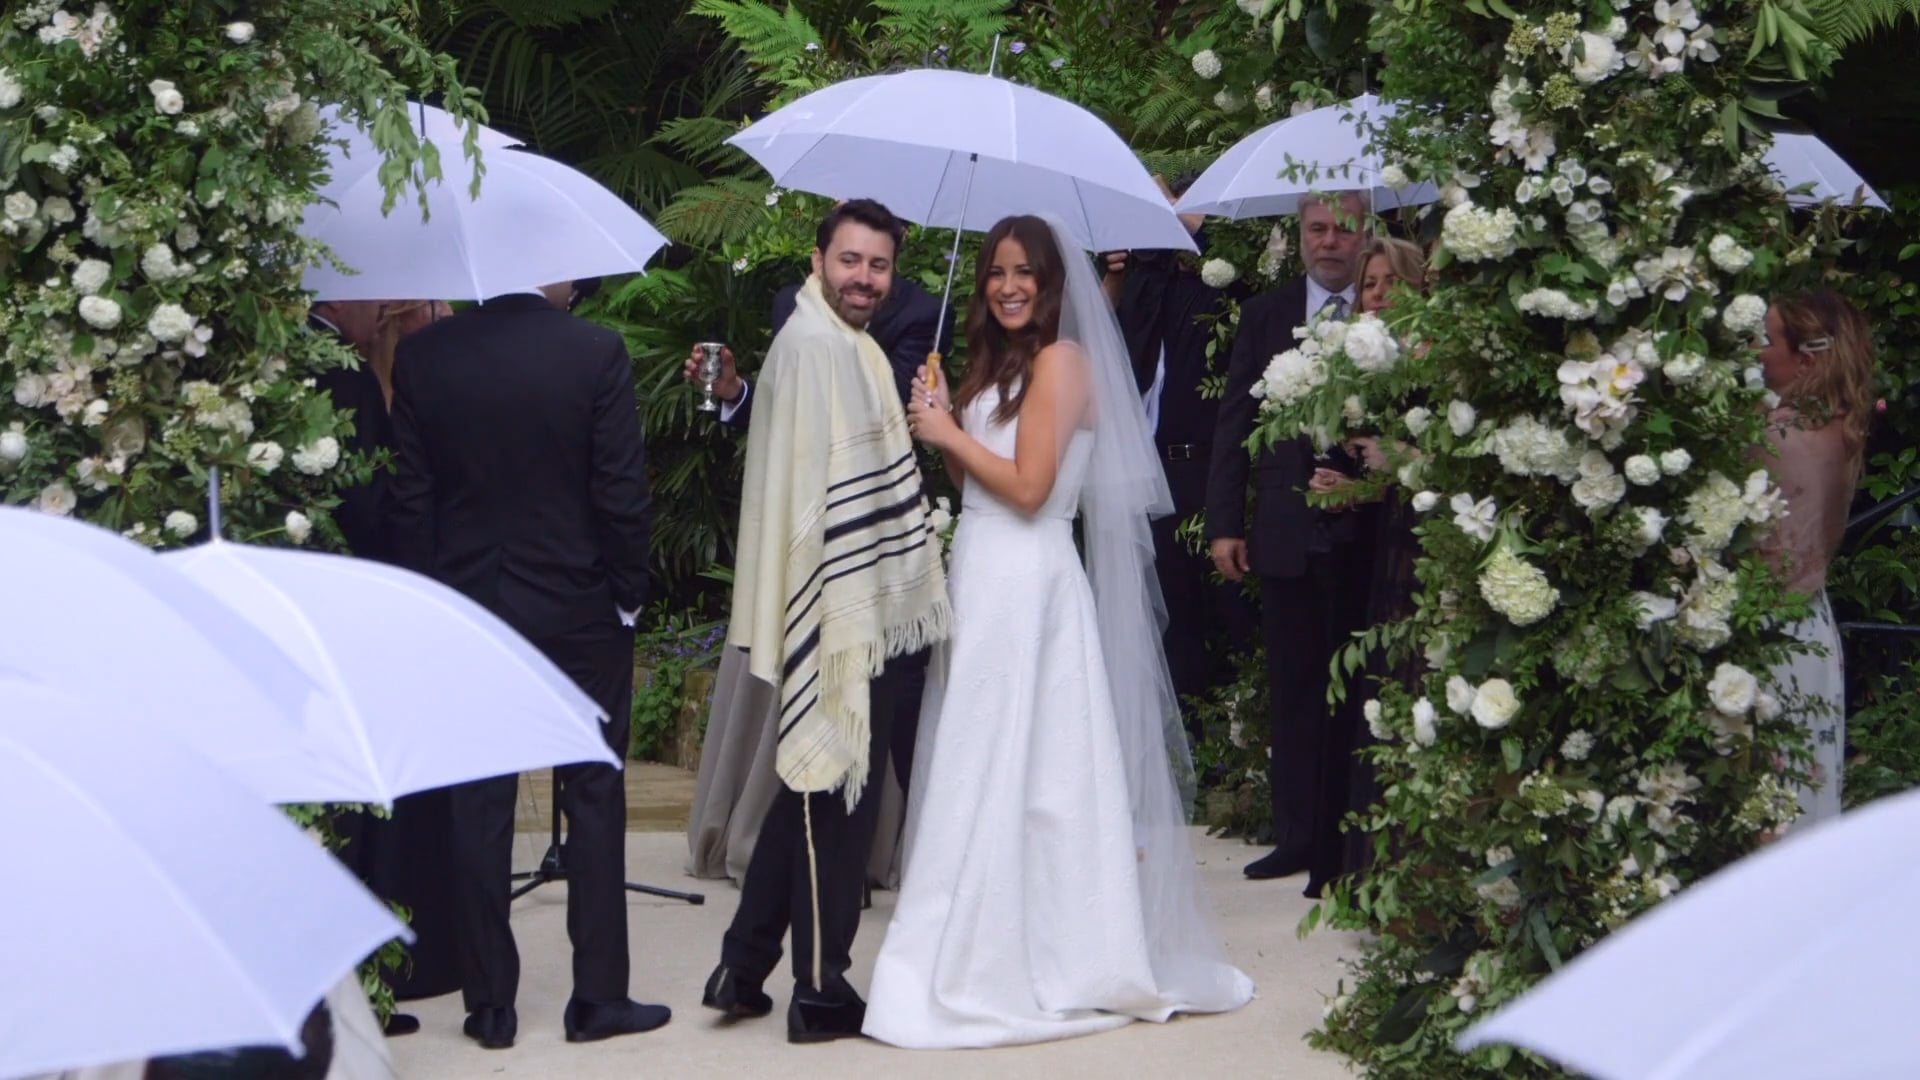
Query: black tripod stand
{"points": [[553, 868]]}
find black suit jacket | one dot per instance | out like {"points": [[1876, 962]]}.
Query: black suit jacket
{"points": [[522, 476], [1163, 304], [1285, 528], [903, 328], [363, 511]]}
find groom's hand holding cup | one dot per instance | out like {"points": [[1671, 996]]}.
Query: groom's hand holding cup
{"points": [[728, 387]]}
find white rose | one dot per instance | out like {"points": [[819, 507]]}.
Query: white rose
{"points": [[1642, 470], [1675, 462], [1766, 707], [56, 498], [1419, 418], [318, 456], [91, 276], [100, 312], [182, 524], [265, 457], [10, 89], [166, 98], [1206, 64], [1218, 273], [240, 32], [1593, 802], [1371, 711], [1598, 59], [1424, 732], [30, 390], [1733, 689], [1459, 695], [1425, 501], [57, 209], [298, 526], [1369, 345], [13, 444], [1494, 705], [21, 206], [1461, 418]]}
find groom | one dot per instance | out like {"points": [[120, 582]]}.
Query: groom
{"points": [[837, 590]]}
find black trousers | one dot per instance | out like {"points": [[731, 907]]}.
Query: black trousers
{"points": [[777, 891], [1206, 620], [599, 659], [1303, 620]]}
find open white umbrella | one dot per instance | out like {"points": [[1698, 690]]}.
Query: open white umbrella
{"points": [[158, 906], [1267, 173], [1802, 160], [1798, 961], [88, 611], [535, 222], [426, 687], [953, 149]]}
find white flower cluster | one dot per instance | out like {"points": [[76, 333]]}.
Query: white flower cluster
{"points": [[10, 89], [1517, 589], [1477, 235], [1706, 610], [1718, 507], [1492, 704], [1745, 315], [1599, 394], [1681, 37], [1368, 344], [1675, 274], [1575, 747], [1482, 967], [1477, 519], [1289, 377], [1206, 64], [1527, 447], [1727, 254], [1592, 57], [1599, 487], [166, 97], [318, 456], [1218, 273], [1511, 133], [1666, 790], [95, 32], [1556, 304]]}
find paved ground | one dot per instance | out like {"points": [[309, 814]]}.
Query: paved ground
{"points": [[675, 945]]}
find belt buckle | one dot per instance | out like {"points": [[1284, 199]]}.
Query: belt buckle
{"points": [[1180, 452]]}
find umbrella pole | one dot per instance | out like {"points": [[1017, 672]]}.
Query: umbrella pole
{"points": [[953, 257], [213, 502]]}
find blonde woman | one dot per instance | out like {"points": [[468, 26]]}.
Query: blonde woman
{"points": [[1816, 353], [1385, 263]]}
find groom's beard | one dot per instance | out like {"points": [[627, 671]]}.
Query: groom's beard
{"points": [[856, 317]]}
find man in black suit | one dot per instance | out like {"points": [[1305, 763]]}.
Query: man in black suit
{"points": [[1165, 313], [522, 482], [1302, 556]]}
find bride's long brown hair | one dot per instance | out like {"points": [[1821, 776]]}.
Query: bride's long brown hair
{"points": [[999, 357]]}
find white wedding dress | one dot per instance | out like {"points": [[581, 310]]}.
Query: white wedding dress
{"points": [[1022, 915]]}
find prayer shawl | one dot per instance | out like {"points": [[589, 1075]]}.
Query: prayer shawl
{"points": [[838, 569]]}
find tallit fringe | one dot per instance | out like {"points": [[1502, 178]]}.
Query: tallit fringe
{"points": [[863, 663]]}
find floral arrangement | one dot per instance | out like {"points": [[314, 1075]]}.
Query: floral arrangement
{"points": [[150, 307], [1573, 413]]}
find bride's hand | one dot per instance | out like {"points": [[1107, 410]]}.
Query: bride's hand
{"points": [[940, 396], [930, 420]]}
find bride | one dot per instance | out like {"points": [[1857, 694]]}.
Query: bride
{"points": [[1049, 887]]}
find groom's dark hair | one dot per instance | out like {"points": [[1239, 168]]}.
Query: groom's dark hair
{"points": [[864, 212]]}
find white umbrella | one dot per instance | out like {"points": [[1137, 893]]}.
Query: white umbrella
{"points": [[535, 222], [953, 149], [1257, 177], [1798, 961], [157, 906], [426, 687], [89, 611], [1805, 160]]}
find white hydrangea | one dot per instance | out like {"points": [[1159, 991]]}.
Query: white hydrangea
{"points": [[1368, 344], [298, 526], [1642, 470], [170, 323], [318, 456], [182, 524], [1517, 589], [1685, 367], [1218, 273], [1745, 315], [1714, 511], [1527, 447], [1394, 176], [1227, 101], [1728, 255], [91, 276], [1706, 610], [265, 457], [1676, 461], [100, 312], [1494, 704], [1555, 304], [1477, 235], [1576, 747], [1290, 376], [1206, 64]]}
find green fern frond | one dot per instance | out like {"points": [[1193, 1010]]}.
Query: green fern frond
{"points": [[768, 35], [723, 209], [1844, 22]]}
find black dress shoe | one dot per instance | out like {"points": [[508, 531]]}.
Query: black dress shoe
{"points": [[1278, 863], [736, 995], [590, 1023], [492, 1028], [400, 1024], [816, 1016]]}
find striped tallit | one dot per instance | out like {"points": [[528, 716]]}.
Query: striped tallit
{"points": [[838, 568]]}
